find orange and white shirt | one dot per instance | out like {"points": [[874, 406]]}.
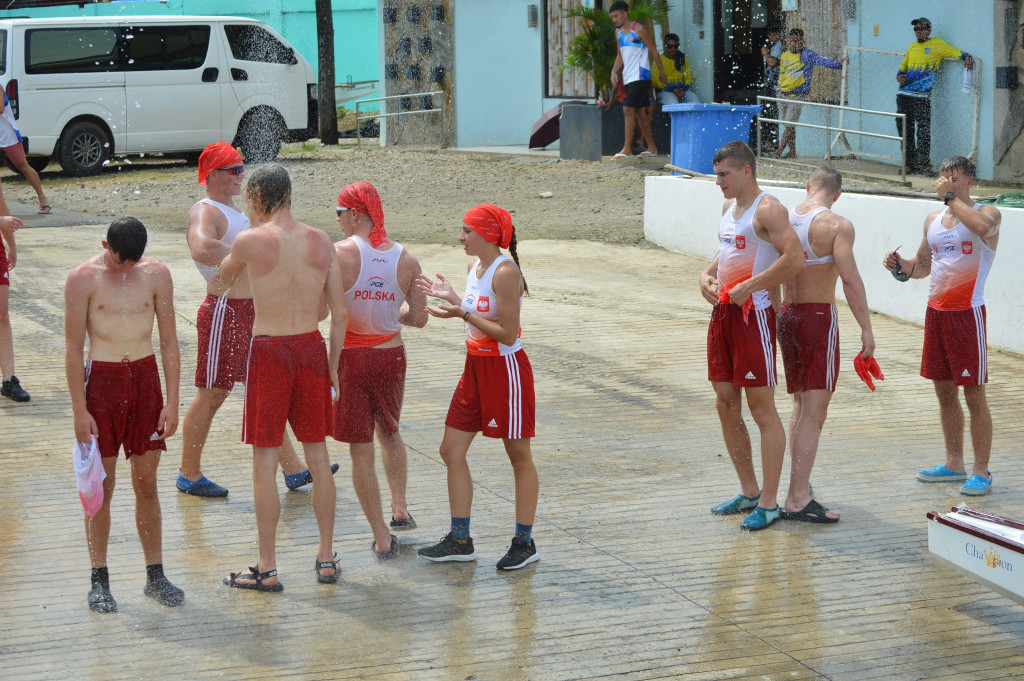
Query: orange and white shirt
{"points": [[742, 253], [961, 261], [480, 300], [374, 302]]}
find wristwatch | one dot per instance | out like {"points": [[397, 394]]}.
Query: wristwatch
{"points": [[949, 197]]}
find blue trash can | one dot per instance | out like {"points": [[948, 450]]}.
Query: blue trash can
{"points": [[699, 130]]}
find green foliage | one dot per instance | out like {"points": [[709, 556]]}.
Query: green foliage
{"points": [[595, 48]]}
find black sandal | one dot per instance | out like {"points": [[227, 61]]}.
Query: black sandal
{"points": [[321, 564], [254, 574], [385, 555], [813, 512]]}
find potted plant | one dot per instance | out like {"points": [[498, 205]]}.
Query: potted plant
{"points": [[587, 132]]}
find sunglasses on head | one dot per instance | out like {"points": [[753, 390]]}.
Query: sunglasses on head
{"points": [[234, 170], [340, 209]]}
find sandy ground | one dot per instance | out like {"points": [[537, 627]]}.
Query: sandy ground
{"points": [[425, 191]]}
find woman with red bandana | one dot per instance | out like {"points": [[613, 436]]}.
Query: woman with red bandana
{"points": [[495, 394]]}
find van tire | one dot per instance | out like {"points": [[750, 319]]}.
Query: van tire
{"points": [[260, 134], [84, 149]]}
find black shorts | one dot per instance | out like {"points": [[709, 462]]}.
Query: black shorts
{"points": [[638, 94]]}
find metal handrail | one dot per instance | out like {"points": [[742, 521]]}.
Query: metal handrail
{"points": [[829, 128], [443, 109]]}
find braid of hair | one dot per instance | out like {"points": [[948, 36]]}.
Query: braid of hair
{"points": [[515, 258]]}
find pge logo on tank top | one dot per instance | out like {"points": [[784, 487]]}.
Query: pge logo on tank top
{"points": [[375, 292]]}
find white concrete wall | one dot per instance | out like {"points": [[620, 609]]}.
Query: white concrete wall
{"points": [[682, 215]]}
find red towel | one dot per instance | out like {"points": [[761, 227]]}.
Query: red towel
{"points": [[866, 368], [723, 297]]}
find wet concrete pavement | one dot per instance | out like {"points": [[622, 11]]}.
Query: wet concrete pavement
{"points": [[636, 579]]}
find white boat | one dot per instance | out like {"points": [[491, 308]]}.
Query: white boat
{"points": [[354, 89], [989, 547]]}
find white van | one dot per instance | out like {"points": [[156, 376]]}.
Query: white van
{"points": [[85, 89]]}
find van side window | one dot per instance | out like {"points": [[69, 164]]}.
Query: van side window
{"points": [[255, 43], [72, 50], [165, 48], [3, 52]]}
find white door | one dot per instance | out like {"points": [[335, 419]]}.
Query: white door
{"points": [[265, 70], [173, 76]]}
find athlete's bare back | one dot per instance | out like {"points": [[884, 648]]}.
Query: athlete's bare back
{"points": [[817, 283]]}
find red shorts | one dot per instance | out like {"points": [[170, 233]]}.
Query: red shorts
{"points": [[125, 400], [740, 353], [287, 380], [955, 346], [5, 278], [225, 331], [495, 397], [809, 340], [372, 387]]}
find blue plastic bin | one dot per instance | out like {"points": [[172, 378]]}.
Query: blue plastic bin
{"points": [[699, 130]]}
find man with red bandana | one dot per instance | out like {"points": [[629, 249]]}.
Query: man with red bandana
{"points": [[224, 321], [958, 248], [378, 275], [495, 394]]}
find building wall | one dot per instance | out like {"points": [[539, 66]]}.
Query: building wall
{"points": [[499, 72], [355, 25], [882, 224]]}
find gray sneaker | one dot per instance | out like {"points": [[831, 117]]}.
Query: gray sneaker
{"points": [[449, 549]]}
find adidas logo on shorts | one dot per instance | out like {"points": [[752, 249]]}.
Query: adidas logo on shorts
{"points": [[750, 376], [492, 424], [966, 373]]}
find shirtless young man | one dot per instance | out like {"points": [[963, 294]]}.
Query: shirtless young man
{"points": [[224, 322], [958, 248], [759, 250], [378, 276], [809, 331], [115, 396], [292, 268]]}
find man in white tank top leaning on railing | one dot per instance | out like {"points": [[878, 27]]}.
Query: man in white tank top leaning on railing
{"points": [[758, 251], [378, 276], [957, 250], [809, 331], [224, 322]]}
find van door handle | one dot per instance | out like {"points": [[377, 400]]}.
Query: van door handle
{"points": [[210, 75], [239, 74]]}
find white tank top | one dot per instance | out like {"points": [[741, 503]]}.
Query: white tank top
{"points": [[636, 62], [802, 225], [480, 300], [237, 221], [742, 253], [375, 300], [961, 261]]}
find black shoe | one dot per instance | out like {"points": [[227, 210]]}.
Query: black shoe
{"points": [[294, 481], [12, 388], [100, 598], [450, 549], [520, 554], [163, 592]]}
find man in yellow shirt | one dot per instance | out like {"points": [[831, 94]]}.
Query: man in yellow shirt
{"points": [[916, 77], [677, 86]]}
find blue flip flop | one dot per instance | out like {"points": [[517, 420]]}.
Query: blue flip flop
{"points": [[977, 486], [738, 504], [761, 518], [940, 474]]}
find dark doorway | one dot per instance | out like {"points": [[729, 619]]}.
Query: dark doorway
{"points": [[740, 31]]}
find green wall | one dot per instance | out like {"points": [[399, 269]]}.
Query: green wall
{"points": [[355, 25]]}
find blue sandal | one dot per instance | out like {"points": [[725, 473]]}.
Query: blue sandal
{"points": [[736, 505], [761, 518], [977, 486], [940, 474]]}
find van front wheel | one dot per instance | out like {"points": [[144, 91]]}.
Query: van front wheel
{"points": [[84, 149], [260, 135]]}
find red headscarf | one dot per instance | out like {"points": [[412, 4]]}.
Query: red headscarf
{"points": [[492, 223], [363, 197], [217, 156]]}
